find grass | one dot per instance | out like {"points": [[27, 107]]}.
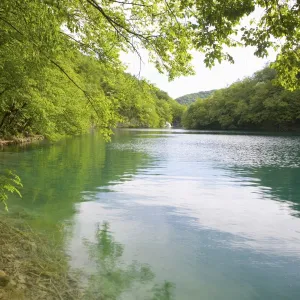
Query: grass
{"points": [[35, 267]]}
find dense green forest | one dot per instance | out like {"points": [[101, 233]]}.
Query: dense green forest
{"points": [[190, 98], [60, 66], [254, 103], [52, 84], [44, 101]]}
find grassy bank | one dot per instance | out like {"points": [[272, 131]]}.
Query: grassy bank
{"points": [[33, 266]]}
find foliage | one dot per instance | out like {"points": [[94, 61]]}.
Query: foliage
{"points": [[190, 98], [253, 103], [46, 103], [60, 67], [172, 111], [60, 72], [177, 112], [9, 183], [167, 29]]}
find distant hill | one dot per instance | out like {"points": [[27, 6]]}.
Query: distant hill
{"points": [[190, 98]]}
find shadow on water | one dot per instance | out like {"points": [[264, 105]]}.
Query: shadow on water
{"points": [[112, 278]]}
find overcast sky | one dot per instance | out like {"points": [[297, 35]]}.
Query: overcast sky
{"points": [[205, 79]]}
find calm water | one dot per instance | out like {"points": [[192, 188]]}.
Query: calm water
{"points": [[185, 215]]}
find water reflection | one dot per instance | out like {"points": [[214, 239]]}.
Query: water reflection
{"points": [[218, 215], [279, 184], [211, 208], [56, 176], [112, 277]]}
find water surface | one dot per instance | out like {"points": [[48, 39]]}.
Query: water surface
{"points": [[204, 215]]}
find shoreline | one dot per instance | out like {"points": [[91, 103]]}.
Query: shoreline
{"points": [[31, 265], [20, 141]]}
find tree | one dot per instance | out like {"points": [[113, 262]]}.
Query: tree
{"points": [[167, 29], [190, 98], [40, 99], [253, 103]]}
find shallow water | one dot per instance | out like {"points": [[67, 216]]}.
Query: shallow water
{"points": [[211, 215]]}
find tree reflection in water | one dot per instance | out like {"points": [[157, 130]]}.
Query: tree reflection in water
{"points": [[112, 277]]}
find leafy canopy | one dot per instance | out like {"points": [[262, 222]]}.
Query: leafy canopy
{"points": [[60, 71], [167, 29]]}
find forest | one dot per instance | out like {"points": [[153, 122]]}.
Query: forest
{"points": [[61, 73], [44, 101], [190, 98], [59, 77], [255, 103]]}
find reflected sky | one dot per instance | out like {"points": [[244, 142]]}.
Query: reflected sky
{"points": [[203, 215], [216, 214]]}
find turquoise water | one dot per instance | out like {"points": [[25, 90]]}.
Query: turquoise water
{"points": [[208, 215]]}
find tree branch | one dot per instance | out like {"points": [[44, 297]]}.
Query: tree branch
{"points": [[90, 99], [130, 3], [75, 83], [113, 22]]}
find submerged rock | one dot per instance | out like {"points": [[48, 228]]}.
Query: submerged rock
{"points": [[4, 279]]}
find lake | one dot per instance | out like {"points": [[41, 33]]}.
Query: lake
{"points": [[174, 214]]}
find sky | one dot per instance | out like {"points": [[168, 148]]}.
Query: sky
{"points": [[220, 76]]}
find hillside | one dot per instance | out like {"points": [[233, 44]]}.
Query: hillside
{"points": [[255, 103], [190, 98]]}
